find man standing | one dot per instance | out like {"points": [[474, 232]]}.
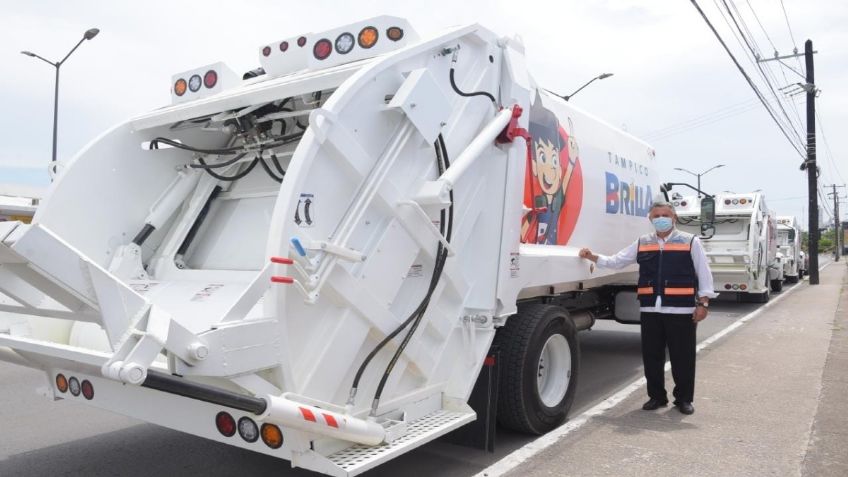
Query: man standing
{"points": [[674, 291]]}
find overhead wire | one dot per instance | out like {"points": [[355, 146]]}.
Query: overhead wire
{"points": [[748, 79]]}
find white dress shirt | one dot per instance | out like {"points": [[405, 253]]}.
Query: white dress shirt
{"points": [[627, 256]]}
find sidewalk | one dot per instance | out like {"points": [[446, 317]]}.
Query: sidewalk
{"points": [[771, 398]]}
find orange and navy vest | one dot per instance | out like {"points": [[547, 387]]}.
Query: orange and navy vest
{"points": [[668, 272]]}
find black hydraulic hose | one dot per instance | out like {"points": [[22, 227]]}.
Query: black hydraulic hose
{"points": [[441, 259], [268, 169], [218, 165], [469, 95], [201, 217], [203, 392], [277, 165], [441, 153], [233, 178]]}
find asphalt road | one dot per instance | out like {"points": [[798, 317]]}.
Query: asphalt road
{"points": [[41, 437]]}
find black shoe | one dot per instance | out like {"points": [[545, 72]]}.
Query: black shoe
{"points": [[685, 407], [654, 404]]}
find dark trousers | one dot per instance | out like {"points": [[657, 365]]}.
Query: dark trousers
{"points": [[677, 333]]}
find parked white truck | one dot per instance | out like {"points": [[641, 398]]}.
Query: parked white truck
{"points": [[312, 261], [789, 246], [741, 243]]}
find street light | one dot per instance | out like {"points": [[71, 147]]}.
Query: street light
{"points": [[698, 175], [599, 77], [88, 35]]}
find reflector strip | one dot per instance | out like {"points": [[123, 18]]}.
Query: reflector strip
{"points": [[278, 279], [679, 291], [307, 414], [645, 291], [649, 247], [330, 420], [283, 260], [677, 247]]}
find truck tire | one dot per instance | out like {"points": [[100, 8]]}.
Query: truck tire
{"points": [[793, 279], [540, 359], [777, 285]]}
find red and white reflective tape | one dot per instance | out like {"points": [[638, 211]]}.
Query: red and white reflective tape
{"points": [[285, 412]]}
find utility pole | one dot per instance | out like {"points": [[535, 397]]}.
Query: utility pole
{"points": [[836, 223], [810, 164], [812, 168]]}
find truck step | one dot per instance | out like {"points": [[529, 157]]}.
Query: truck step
{"points": [[359, 458]]}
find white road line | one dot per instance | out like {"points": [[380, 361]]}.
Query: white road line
{"points": [[516, 457]]}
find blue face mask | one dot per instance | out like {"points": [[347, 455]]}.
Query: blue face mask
{"points": [[662, 224]]}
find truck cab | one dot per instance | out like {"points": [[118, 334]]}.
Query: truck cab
{"points": [[789, 245]]}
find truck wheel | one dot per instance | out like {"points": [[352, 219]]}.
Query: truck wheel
{"points": [[776, 285], [793, 279], [763, 297], [540, 359]]}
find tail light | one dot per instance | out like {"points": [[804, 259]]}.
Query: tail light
{"points": [[735, 201], [284, 46], [368, 37], [180, 87], [735, 287], [394, 33], [247, 429], [210, 79], [266, 51], [87, 389], [194, 83], [344, 43], [322, 49], [727, 286], [683, 204], [301, 42], [272, 436], [225, 423], [743, 287], [61, 383], [743, 201], [726, 201], [74, 386]]}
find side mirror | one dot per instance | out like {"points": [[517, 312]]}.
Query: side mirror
{"points": [[708, 210]]}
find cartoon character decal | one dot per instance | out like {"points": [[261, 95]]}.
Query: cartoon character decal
{"points": [[553, 183]]}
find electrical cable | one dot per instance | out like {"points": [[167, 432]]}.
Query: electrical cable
{"points": [[268, 169], [748, 79], [219, 164]]}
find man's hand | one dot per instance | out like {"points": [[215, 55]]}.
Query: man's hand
{"points": [[699, 314], [587, 254]]}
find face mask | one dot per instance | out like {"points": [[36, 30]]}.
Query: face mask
{"points": [[662, 224]]}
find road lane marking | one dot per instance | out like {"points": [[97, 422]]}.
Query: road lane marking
{"points": [[520, 455]]}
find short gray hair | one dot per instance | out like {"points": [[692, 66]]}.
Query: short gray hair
{"points": [[662, 203]]}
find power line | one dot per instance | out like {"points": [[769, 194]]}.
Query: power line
{"points": [[757, 53], [747, 78]]}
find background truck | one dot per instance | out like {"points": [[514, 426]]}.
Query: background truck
{"points": [[741, 243], [312, 260], [789, 246]]}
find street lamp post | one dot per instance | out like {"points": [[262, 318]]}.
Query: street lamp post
{"points": [[88, 35], [599, 77], [698, 175]]}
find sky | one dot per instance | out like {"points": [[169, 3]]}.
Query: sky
{"points": [[673, 84]]}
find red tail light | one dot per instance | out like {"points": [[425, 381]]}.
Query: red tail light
{"points": [[266, 51], [301, 42], [226, 424], [210, 79], [322, 49], [88, 389], [726, 201], [727, 286], [284, 46]]}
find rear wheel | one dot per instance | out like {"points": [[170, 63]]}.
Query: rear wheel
{"points": [[540, 359]]}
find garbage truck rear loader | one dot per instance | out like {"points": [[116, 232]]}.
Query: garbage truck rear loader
{"points": [[313, 261]]}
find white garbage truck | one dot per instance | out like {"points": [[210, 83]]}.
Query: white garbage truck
{"points": [[739, 234], [789, 245], [313, 259]]}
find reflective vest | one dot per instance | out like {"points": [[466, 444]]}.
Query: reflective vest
{"points": [[668, 272]]}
